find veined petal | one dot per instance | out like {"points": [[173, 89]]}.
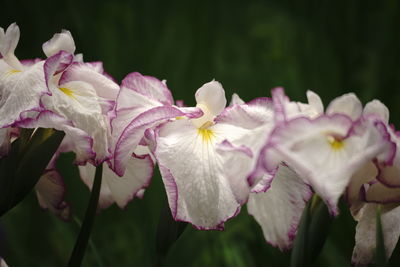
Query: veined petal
{"points": [[78, 102], [60, 41], [50, 191], [278, 210], [193, 173], [364, 249], [20, 91], [84, 72], [148, 86], [325, 152], [347, 104]]}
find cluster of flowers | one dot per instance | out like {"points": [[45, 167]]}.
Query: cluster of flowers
{"points": [[271, 153]]}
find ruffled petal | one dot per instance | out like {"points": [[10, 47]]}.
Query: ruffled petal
{"points": [[364, 249], [379, 193], [325, 152], [347, 104], [60, 41], [56, 64], [50, 191], [279, 209]]}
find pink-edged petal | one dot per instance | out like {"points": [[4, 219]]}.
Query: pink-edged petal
{"points": [[134, 132], [377, 108], [193, 173], [364, 249], [50, 191], [84, 72], [347, 104], [325, 152], [20, 91], [56, 64], [284, 109], [279, 209], [60, 41], [75, 139], [148, 86]]}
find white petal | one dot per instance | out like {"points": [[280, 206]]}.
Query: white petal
{"points": [[193, 173], [377, 108], [279, 209], [211, 100], [347, 104], [323, 152], [379, 193], [60, 41], [364, 249], [8, 43], [20, 91], [236, 100]]}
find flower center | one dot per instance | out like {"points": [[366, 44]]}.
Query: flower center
{"points": [[206, 134], [335, 142]]}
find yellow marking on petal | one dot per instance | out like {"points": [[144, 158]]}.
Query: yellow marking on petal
{"points": [[336, 143], [206, 125], [206, 134], [13, 71], [180, 117], [67, 91]]}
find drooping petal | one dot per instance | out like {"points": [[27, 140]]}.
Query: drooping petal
{"points": [[278, 210], [347, 104], [193, 174], [121, 190], [60, 41], [50, 191], [364, 250], [379, 193]]}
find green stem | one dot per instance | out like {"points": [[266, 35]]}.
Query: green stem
{"points": [[87, 225]]}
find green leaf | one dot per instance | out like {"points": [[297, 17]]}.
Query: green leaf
{"points": [[312, 233], [380, 254], [168, 231], [299, 256], [87, 225], [26, 162]]}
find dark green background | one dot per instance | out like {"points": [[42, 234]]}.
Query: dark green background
{"points": [[331, 47]]}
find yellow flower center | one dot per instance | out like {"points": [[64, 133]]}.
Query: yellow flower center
{"points": [[13, 71], [336, 143], [206, 134]]}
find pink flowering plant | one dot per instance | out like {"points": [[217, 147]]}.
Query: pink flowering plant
{"points": [[289, 162]]}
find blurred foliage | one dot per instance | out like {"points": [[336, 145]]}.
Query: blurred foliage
{"points": [[331, 47]]}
